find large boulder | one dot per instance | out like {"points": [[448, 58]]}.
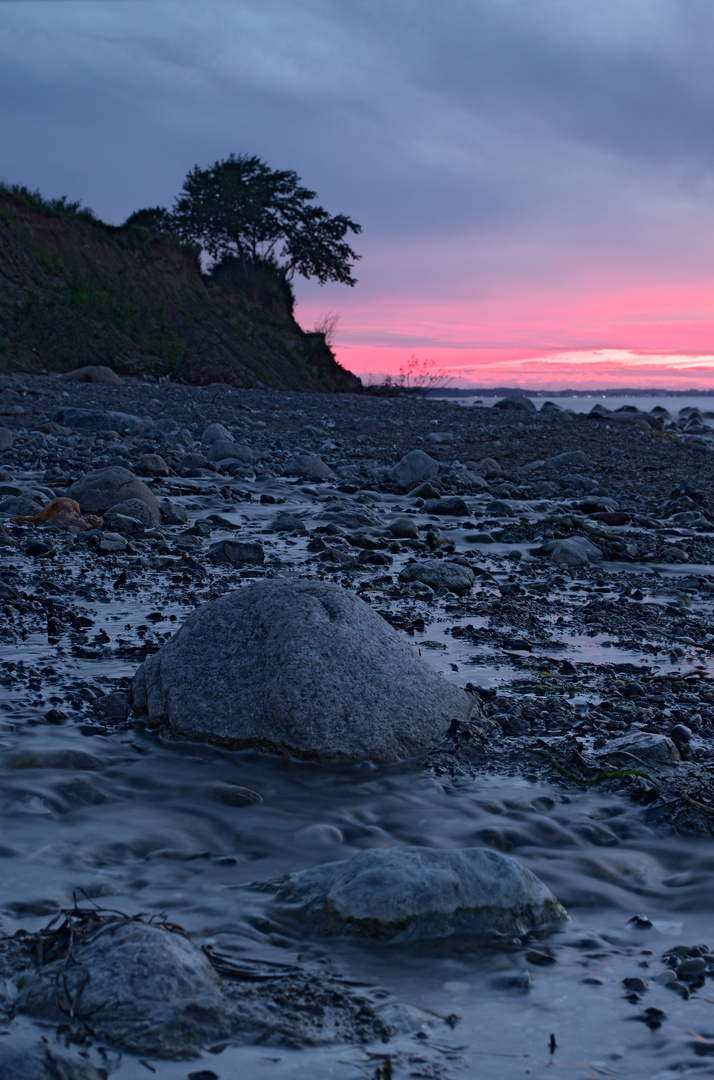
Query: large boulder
{"points": [[414, 468], [404, 894], [95, 419], [301, 668], [103, 489]]}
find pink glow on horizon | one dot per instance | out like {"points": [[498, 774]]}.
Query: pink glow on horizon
{"points": [[589, 334]]}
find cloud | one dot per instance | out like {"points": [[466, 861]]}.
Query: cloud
{"points": [[505, 158]]}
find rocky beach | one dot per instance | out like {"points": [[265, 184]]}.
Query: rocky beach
{"points": [[379, 728]]}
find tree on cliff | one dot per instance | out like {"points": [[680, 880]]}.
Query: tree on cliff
{"points": [[240, 208]]}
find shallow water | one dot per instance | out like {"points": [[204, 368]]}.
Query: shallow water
{"points": [[133, 822]]}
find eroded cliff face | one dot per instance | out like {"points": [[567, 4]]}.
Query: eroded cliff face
{"points": [[75, 292]]}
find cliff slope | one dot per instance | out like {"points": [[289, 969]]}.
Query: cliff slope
{"points": [[74, 291]]}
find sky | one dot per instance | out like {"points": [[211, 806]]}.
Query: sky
{"points": [[534, 180]]}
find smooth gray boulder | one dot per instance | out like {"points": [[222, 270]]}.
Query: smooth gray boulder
{"points": [[5, 439], [146, 989], [223, 449], [407, 894], [137, 509], [309, 466], [301, 668], [216, 433], [104, 489], [414, 468], [95, 419], [440, 575], [575, 551]]}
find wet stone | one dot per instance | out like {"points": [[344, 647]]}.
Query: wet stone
{"points": [[237, 553], [105, 489], [407, 894], [440, 575]]}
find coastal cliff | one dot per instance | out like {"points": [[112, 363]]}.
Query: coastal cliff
{"points": [[74, 291]]}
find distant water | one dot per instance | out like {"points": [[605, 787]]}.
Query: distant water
{"points": [[584, 403]]}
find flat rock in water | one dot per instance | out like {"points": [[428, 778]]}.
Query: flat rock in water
{"points": [[414, 468], [287, 522], [95, 419], [407, 894], [146, 989], [440, 574], [104, 489], [301, 668]]}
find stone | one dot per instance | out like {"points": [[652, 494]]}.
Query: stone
{"points": [[575, 551], [136, 509], [424, 491], [439, 574], [301, 668], [174, 512], [516, 403], [224, 449], [45, 1062], [437, 437], [643, 747], [414, 468], [285, 522], [569, 459], [153, 465], [216, 433], [114, 706], [577, 482], [5, 439], [237, 553], [21, 506], [448, 505], [193, 461], [413, 893], [499, 508], [94, 373], [149, 990], [352, 517], [10, 402], [404, 528], [103, 489], [309, 466], [95, 419], [111, 543], [488, 467], [123, 524]]}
